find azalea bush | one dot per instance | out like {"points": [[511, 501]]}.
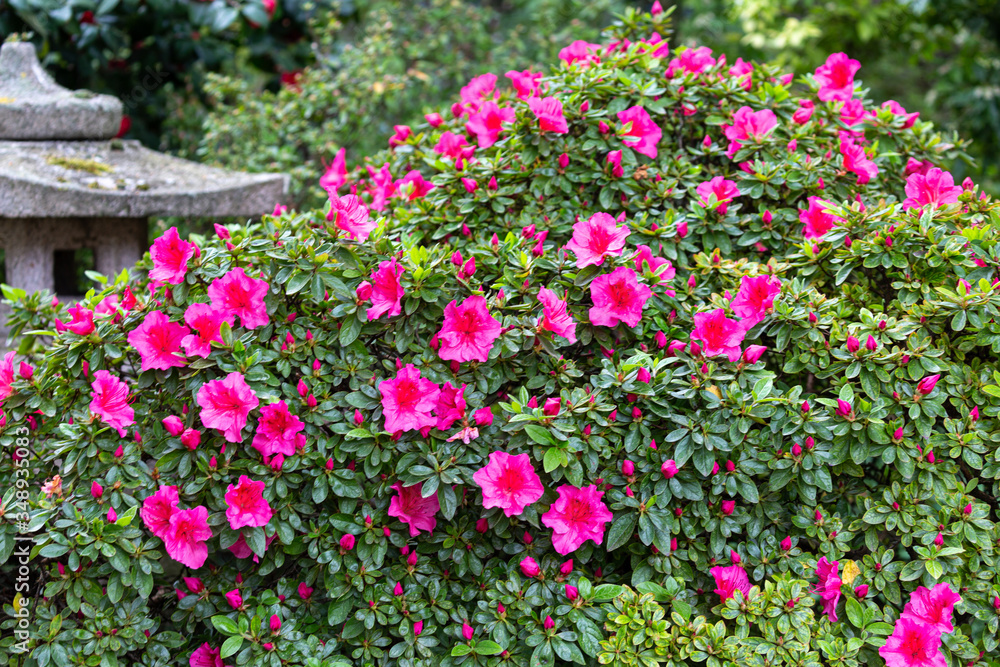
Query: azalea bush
{"points": [[653, 358]]}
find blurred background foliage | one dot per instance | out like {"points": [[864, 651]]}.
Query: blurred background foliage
{"points": [[283, 84]]}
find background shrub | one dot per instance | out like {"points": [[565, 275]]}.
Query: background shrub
{"points": [[828, 445]]}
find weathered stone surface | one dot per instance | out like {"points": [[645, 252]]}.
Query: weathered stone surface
{"points": [[34, 106], [123, 179]]}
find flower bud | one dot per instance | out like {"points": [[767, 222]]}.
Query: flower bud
{"points": [[234, 598], [939, 540], [572, 593], [628, 468], [968, 509], [871, 344], [927, 385], [112, 515], [549, 623], [786, 544], [398, 590], [173, 424], [853, 344], [566, 568], [753, 353], [734, 557], [191, 438], [728, 507], [364, 291], [96, 490], [275, 624], [467, 631], [796, 450], [482, 525], [347, 542], [530, 568], [861, 591], [669, 468]]}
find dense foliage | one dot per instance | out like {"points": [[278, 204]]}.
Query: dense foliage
{"points": [[670, 360], [399, 61]]}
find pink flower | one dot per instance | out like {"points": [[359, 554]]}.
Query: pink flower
{"points": [[897, 110], [723, 190], [741, 69], [479, 89], [580, 51], [245, 504], [549, 111], [529, 567], [6, 376], [691, 61], [857, 162], [749, 126], [646, 258], [555, 316], [206, 656], [450, 406], [109, 401], [669, 469], [526, 84], [718, 334], [804, 112], [413, 185], [487, 123], [383, 186], [350, 215], [816, 220], [225, 405], [170, 258], [234, 598], [206, 322], [387, 291], [413, 509], [935, 188], [644, 134], [81, 321], [927, 384], [618, 297], [402, 133], [597, 238], [509, 482], [158, 342], [576, 516], [468, 331], [852, 113], [236, 293], [730, 579], [450, 144], [755, 299], [157, 510], [913, 644], [185, 539], [836, 78], [408, 401], [336, 174], [828, 586], [278, 431], [933, 606]]}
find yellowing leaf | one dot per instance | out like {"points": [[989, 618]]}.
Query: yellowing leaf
{"points": [[851, 571]]}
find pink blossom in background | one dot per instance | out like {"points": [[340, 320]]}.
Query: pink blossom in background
{"points": [[413, 509], [509, 482], [408, 401], [527, 84], [383, 186], [185, 539], [450, 406], [158, 508], [350, 215], [81, 321], [836, 78], [241, 549], [580, 51], [644, 134], [935, 188], [488, 122], [109, 401], [206, 322], [477, 91], [645, 259], [618, 297], [742, 70], [6, 376], [237, 294], [852, 113], [549, 111], [402, 134], [828, 586], [596, 238], [691, 61], [730, 579], [804, 112], [749, 126], [336, 174], [722, 189], [158, 342], [755, 298], [718, 334], [917, 166], [387, 291], [206, 656], [856, 161], [816, 220], [278, 431], [913, 644], [933, 606], [451, 145], [909, 119], [468, 331], [245, 504], [225, 405], [555, 315], [170, 255], [577, 515]]}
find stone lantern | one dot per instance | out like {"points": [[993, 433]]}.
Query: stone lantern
{"points": [[67, 185]]}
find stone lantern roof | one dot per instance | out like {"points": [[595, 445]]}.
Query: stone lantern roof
{"points": [[67, 185]]}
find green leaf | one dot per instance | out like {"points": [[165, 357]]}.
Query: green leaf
{"points": [[461, 649], [606, 592], [225, 625], [621, 530], [539, 434], [855, 613], [231, 646], [487, 647]]}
